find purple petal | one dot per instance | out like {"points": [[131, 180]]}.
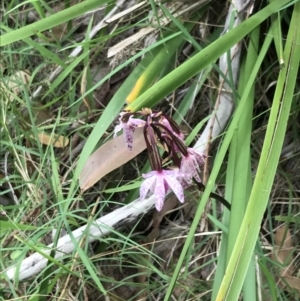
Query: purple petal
{"points": [[174, 184], [190, 168], [128, 128], [159, 191], [159, 182], [146, 186], [185, 180], [190, 164], [159, 204], [117, 129], [149, 174], [199, 157], [128, 136], [135, 122], [166, 123]]}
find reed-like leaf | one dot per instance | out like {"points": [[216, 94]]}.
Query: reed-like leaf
{"points": [[244, 246]]}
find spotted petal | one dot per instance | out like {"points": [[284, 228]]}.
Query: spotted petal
{"points": [[148, 184], [171, 178], [128, 128], [190, 165], [159, 192]]}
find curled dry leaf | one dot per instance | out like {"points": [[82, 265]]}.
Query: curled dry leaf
{"points": [[55, 140], [14, 84], [293, 282], [60, 31], [83, 89], [283, 253], [42, 116], [108, 157]]}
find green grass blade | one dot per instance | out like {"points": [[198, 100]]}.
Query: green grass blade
{"points": [[242, 252], [9, 225], [238, 175], [239, 160], [51, 21]]}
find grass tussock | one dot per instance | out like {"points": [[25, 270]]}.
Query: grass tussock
{"points": [[229, 80]]}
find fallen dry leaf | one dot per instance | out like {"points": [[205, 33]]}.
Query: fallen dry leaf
{"points": [[108, 157], [283, 253], [83, 89], [60, 31], [55, 140], [41, 115], [293, 282], [14, 84]]}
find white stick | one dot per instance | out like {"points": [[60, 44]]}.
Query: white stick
{"points": [[33, 264], [224, 103]]}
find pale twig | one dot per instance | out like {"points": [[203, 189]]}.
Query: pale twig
{"points": [[224, 103], [102, 226]]}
